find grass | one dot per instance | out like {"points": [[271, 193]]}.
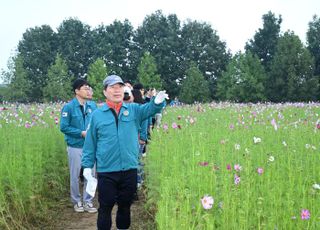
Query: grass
{"points": [[184, 164], [32, 165]]}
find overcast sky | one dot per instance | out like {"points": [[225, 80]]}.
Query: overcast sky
{"points": [[235, 21]]}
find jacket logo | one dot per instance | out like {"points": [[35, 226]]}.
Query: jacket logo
{"points": [[126, 113], [64, 114]]}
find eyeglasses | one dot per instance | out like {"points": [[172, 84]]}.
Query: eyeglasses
{"points": [[85, 88]]}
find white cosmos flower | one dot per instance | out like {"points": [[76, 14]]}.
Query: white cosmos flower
{"points": [[316, 186], [271, 158], [256, 140], [207, 202], [237, 146]]}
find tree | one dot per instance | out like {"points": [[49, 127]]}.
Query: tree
{"points": [[75, 46], [38, 50], [202, 45], [265, 40], [195, 87], [19, 87], [313, 44], [244, 80], [113, 43], [147, 72], [58, 86], [291, 75], [160, 36], [96, 74]]}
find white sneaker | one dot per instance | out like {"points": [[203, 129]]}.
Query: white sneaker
{"points": [[78, 207], [88, 207]]}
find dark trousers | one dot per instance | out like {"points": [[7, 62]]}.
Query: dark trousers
{"points": [[116, 187]]}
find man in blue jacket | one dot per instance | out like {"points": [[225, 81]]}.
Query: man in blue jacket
{"points": [[75, 117], [112, 143]]}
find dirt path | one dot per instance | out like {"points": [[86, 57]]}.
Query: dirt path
{"points": [[71, 220]]}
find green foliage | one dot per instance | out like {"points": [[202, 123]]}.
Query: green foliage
{"points": [[243, 81], [114, 44], [147, 72], [195, 87], [160, 36], [33, 166], [58, 86], [20, 87], [185, 164], [96, 74], [313, 41], [202, 45], [173, 46], [291, 76], [75, 45], [265, 40], [38, 49]]}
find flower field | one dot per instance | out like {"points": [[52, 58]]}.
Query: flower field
{"points": [[236, 166], [213, 166], [33, 168]]}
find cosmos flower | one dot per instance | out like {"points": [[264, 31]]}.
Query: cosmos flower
{"points": [[259, 171], [316, 186], [229, 167], [237, 167], [191, 120], [274, 124], [237, 146], [305, 214], [236, 179], [271, 158], [256, 140], [174, 125], [203, 163], [165, 127], [207, 202]]}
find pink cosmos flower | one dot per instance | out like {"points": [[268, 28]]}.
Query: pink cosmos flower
{"points": [[231, 126], [318, 126], [174, 125], [191, 120], [27, 125], [229, 167], [237, 167], [236, 179], [165, 127], [259, 171], [305, 214], [207, 202], [204, 163], [274, 124]]}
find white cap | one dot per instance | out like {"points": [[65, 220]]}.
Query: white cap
{"points": [[127, 90]]}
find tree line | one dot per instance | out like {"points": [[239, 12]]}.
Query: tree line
{"points": [[187, 59]]}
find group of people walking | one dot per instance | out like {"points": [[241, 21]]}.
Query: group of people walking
{"points": [[106, 142]]}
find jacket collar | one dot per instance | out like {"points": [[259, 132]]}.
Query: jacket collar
{"points": [[105, 107]]}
